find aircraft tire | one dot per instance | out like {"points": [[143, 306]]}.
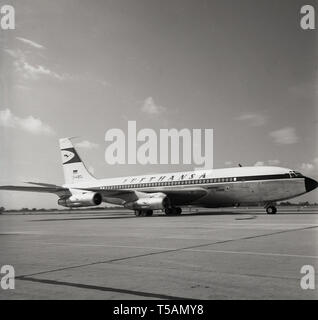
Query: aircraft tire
{"points": [[169, 211], [149, 213], [271, 210], [178, 211], [173, 211]]}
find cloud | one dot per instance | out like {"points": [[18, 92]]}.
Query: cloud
{"points": [[273, 162], [285, 135], [255, 120], [105, 83], [14, 53], [150, 107], [35, 72], [29, 71], [31, 43], [307, 167], [28, 124], [268, 162], [85, 144], [22, 87]]}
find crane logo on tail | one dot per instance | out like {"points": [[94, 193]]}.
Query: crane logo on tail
{"points": [[70, 156]]}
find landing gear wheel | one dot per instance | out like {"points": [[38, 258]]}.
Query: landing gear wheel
{"points": [[143, 213], [271, 210], [178, 211], [169, 211], [149, 213], [138, 213], [173, 211]]}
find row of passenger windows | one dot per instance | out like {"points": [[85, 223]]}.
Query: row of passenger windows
{"points": [[169, 183]]}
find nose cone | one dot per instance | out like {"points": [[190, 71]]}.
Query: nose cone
{"points": [[310, 184]]}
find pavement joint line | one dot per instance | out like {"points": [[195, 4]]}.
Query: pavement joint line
{"points": [[100, 288], [255, 253], [164, 251]]}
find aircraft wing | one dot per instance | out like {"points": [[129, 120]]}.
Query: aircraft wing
{"points": [[122, 195], [45, 188], [184, 196], [177, 196]]}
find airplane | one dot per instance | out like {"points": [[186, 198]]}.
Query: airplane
{"points": [[228, 187]]}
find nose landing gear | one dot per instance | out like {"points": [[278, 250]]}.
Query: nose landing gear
{"points": [[271, 210]]}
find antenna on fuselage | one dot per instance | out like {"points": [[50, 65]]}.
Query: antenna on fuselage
{"points": [[240, 165]]}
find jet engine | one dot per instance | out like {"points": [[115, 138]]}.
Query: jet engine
{"points": [[155, 201], [87, 199]]}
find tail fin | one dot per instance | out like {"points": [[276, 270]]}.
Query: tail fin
{"points": [[73, 167]]}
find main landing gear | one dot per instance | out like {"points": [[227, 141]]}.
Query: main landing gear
{"points": [[175, 211], [271, 210], [143, 213]]}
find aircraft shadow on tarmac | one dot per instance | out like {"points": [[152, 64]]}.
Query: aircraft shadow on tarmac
{"points": [[132, 216], [241, 214]]}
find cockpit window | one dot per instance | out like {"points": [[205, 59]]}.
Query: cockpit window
{"points": [[295, 174], [298, 174]]}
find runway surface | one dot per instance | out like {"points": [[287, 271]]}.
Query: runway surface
{"points": [[211, 254]]}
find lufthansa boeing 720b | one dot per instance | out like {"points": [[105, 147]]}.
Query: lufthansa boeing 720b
{"points": [[169, 192]]}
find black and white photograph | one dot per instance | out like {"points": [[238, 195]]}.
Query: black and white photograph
{"points": [[158, 150]]}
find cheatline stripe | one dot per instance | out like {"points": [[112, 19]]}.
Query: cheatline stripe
{"points": [[193, 182]]}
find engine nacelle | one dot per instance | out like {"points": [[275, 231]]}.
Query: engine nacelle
{"points": [[155, 201], [87, 199]]}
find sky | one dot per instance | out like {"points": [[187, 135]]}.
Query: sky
{"points": [[79, 68]]}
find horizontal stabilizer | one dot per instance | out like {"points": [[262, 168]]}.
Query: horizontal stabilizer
{"points": [[43, 184]]}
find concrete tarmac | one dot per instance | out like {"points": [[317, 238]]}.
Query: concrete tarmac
{"points": [[211, 254]]}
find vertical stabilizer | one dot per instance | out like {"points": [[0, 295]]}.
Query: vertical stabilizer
{"points": [[73, 167]]}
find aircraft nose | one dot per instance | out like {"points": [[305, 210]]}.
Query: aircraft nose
{"points": [[310, 184]]}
